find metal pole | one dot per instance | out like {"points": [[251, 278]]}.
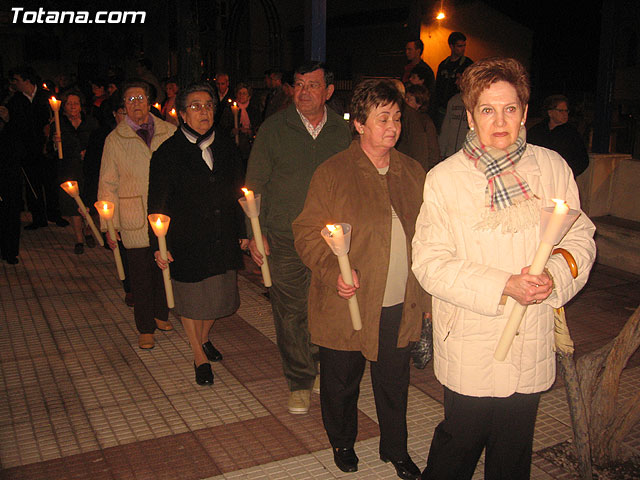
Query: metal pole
{"points": [[315, 32], [604, 93]]}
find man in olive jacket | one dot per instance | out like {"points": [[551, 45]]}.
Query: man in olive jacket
{"points": [[288, 148]]}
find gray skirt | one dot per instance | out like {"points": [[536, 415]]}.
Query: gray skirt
{"points": [[208, 299]]}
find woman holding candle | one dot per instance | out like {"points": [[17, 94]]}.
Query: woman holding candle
{"points": [[124, 181], [195, 179], [248, 121], [378, 191], [477, 233], [76, 129]]}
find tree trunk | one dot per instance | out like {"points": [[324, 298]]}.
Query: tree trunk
{"points": [[578, 415], [599, 372]]}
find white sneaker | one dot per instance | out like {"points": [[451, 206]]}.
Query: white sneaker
{"points": [[299, 402]]}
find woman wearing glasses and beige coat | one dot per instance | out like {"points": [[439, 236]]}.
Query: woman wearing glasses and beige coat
{"points": [[124, 180], [195, 178]]}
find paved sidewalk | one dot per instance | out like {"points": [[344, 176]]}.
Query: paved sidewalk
{"points": [[79, 400]]}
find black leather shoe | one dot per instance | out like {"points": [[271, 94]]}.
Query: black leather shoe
{"points": [[78, 249], [12, 260], [61, 222], [34, 226], [345, 459], [204, 374], [211, 352], [404, 468], [90, 241]]}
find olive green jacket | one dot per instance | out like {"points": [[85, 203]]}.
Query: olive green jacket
{"points": [[282, 161], [347, 188]]}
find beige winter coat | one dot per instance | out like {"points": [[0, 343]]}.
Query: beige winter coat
{"points": [[466, 271], [124, 179]]}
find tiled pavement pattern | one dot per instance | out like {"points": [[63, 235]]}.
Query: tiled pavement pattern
{"points": [[79, 400]]}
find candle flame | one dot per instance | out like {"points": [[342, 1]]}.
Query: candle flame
{"points": [[229, 100], [440, 16], [172, 111], [105, 207], [331, 228], [158, 223], [157, 105], [558, 201], [69, 184], [245, 190], [44, 85], [235, 104], [54, 99]]}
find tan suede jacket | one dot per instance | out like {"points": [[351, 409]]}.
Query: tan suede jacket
{"points": [[347, 188]]}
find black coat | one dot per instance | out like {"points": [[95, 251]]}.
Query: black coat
{"points": [[565, 140], [206, 218]]}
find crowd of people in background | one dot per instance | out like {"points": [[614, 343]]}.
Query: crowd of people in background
{"points": [[141, 143]]}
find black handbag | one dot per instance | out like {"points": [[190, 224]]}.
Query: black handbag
{"points": [[422, 351]]}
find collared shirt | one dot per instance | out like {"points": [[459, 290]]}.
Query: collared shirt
{"points": [[148, 127], [31, 97], [313, 131]]}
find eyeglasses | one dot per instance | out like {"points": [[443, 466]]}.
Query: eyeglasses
{"points": [[196, 107], [138, 99], [561, 110], [310, 85]]}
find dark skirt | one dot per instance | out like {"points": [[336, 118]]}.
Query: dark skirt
{"points": [[208, 299]]}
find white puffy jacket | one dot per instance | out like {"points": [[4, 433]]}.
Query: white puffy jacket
{"points": [[466, 271]]}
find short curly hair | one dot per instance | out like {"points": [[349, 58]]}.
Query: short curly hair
{"points": [[372, 93], [484, 73]]}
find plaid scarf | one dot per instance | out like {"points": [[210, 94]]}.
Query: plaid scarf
{"points": [[510, 202]]}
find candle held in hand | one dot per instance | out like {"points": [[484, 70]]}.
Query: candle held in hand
{"points": [[251, 206], [235, 109], [71, 187], [55, 107], [338, 237], [106, 210], [552, 234], [160, 224]]}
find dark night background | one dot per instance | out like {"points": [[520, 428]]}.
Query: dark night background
{"points": [[195, 38]]}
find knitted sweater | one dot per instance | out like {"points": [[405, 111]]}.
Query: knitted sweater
{"points": [[283, 160], [124, 180]]}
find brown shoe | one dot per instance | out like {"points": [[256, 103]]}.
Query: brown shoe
{"points": [[146, 341], [163, 325]]}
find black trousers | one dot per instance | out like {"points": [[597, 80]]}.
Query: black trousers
{"points": [[147, 287], [341, 372], [10, 208], [42, 175], [504, 426]]}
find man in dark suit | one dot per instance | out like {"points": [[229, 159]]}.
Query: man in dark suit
{"points": [[29, 115], [224, 95]]}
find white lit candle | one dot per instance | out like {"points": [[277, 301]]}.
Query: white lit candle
{"points": [[106, 210], [71, 187], [160, 224], [235, 109], [335, 237], [55, 106], [250, 206], [549, 239]]}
